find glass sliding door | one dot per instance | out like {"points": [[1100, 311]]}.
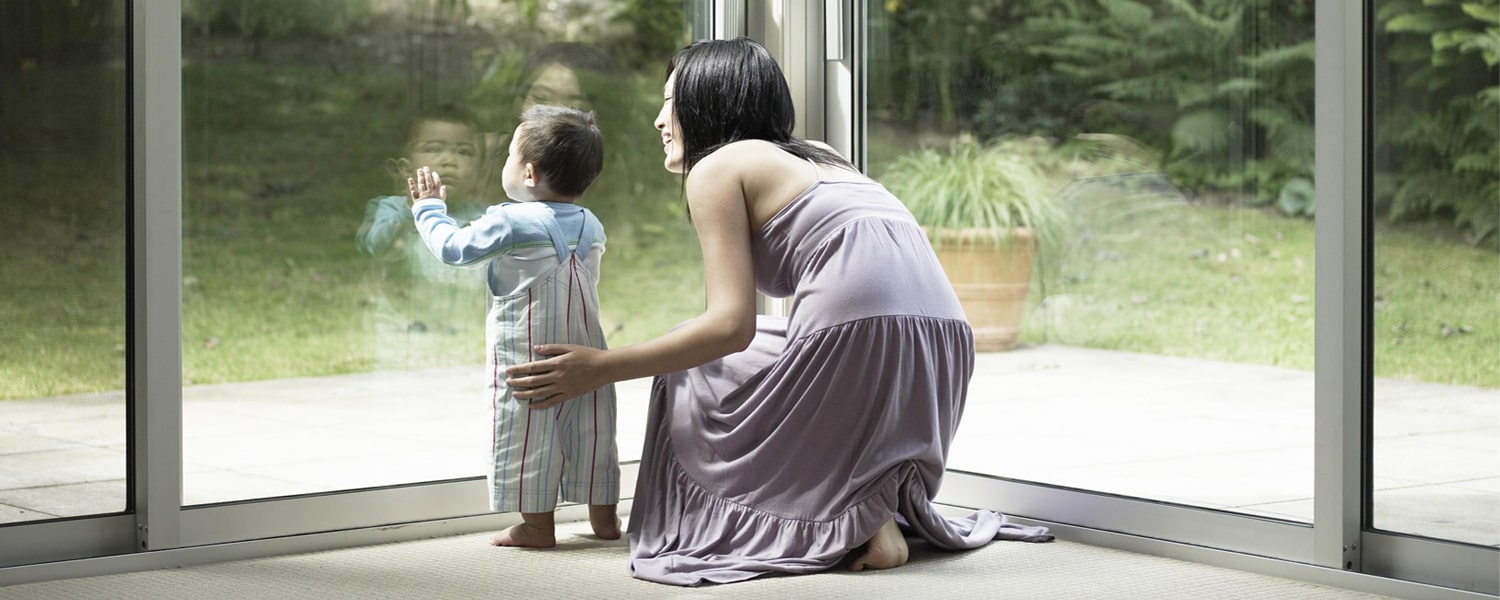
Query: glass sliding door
{"points": [[321, 351], [1436, 273], [324, 347], [1139, 270], [63, 145]]}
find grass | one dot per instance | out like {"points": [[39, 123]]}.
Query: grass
{"points": [[280, 181], [62, 280], [1437, 308], [1236, 284], [279, 163], [1147, 272], [1145, 269]]}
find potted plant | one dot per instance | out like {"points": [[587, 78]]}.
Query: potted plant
{"points": [[985, 209]]}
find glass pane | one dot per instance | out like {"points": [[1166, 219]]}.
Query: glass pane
{"points": [[62, 280], [1148, 331], [325, 347], [1437, 272]]}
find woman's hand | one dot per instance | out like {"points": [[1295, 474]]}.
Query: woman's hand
{"points": [[571, 371]]}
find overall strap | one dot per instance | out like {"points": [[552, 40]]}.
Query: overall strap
{"points": [[586, 233], [545, 214]]}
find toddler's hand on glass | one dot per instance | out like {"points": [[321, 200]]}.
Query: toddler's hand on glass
{"points": [[425, 185]]}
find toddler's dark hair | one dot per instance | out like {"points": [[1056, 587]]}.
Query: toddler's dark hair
{"points": [[564, 144]]}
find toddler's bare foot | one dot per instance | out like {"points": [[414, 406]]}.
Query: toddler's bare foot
{"points": [[885, 550], [528, 534], [604, 521]]}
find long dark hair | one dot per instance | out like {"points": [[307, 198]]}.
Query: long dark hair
{"points": [[732, 90]]}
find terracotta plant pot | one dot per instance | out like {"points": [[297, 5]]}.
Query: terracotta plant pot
{"points": [[991, 272]]}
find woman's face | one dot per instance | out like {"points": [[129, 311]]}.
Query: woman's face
{"points": [[555, 84], [666, 123]]}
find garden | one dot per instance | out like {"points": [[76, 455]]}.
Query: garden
{"points": [[1173, 138]]}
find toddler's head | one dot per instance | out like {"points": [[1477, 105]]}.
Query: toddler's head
{"points": [[555, 154], [449, 141]]}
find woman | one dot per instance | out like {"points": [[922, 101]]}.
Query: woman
{"points": [[783, 445]]}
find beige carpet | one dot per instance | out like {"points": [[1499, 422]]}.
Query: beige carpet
{"points": [[585, 567]]}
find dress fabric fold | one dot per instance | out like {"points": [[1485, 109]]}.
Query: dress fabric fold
{"points": [[786, 456]]}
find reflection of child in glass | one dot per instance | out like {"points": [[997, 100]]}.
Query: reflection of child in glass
{"points": [[416, 293], [541, 255]]}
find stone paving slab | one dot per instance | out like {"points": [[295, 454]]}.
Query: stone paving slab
{"points": [[1198, 432]]}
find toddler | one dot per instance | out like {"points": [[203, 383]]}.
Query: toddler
{"points": [[541, 255]]}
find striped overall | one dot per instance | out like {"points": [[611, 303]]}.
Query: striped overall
{"points": [[569, 448]]}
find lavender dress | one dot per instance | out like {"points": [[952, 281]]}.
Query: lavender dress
{"points": [[784, 457]]}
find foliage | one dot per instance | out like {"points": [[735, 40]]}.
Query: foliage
{"points": [[51, 31], [656, 31], [260, 19], [274, 287], [968, 66], [269, 262], [974, 186], [636, 34], [1438, 104], [1297, 197], [281, 157], [1223, 88]]}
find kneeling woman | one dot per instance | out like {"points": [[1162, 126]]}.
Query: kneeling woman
{"points": [[786, 445]]}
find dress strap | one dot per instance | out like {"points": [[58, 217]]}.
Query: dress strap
{"points": [[817, 172]]}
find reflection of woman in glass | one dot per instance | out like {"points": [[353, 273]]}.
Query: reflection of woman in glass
{"points": [[415, 293], [552, 73], [786, 445], [558, 73]]}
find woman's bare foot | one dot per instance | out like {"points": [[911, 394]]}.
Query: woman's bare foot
{"points": [[534, 531], [605, 522], [885, 550]]}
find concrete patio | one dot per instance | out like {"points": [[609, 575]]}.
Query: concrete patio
{"points": [[1196, 432]]}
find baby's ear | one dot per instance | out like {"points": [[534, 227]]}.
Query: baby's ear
{"points": [[399, 168], [533, 176]]}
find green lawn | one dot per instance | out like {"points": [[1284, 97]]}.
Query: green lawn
{"points": [[1147, 274], [1165, 276], [279, 164]]}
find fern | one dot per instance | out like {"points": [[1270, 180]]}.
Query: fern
{"points": [[1442, 120]]}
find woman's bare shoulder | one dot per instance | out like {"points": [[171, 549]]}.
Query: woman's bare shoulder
{"points": [[744, 159], [743, 150], [826, 147]]}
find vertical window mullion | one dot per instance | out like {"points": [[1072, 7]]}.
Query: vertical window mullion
{"points": [[1340, 275], [155, 384]]}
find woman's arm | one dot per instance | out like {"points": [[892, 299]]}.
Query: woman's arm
{"points": [[716, 198]]}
